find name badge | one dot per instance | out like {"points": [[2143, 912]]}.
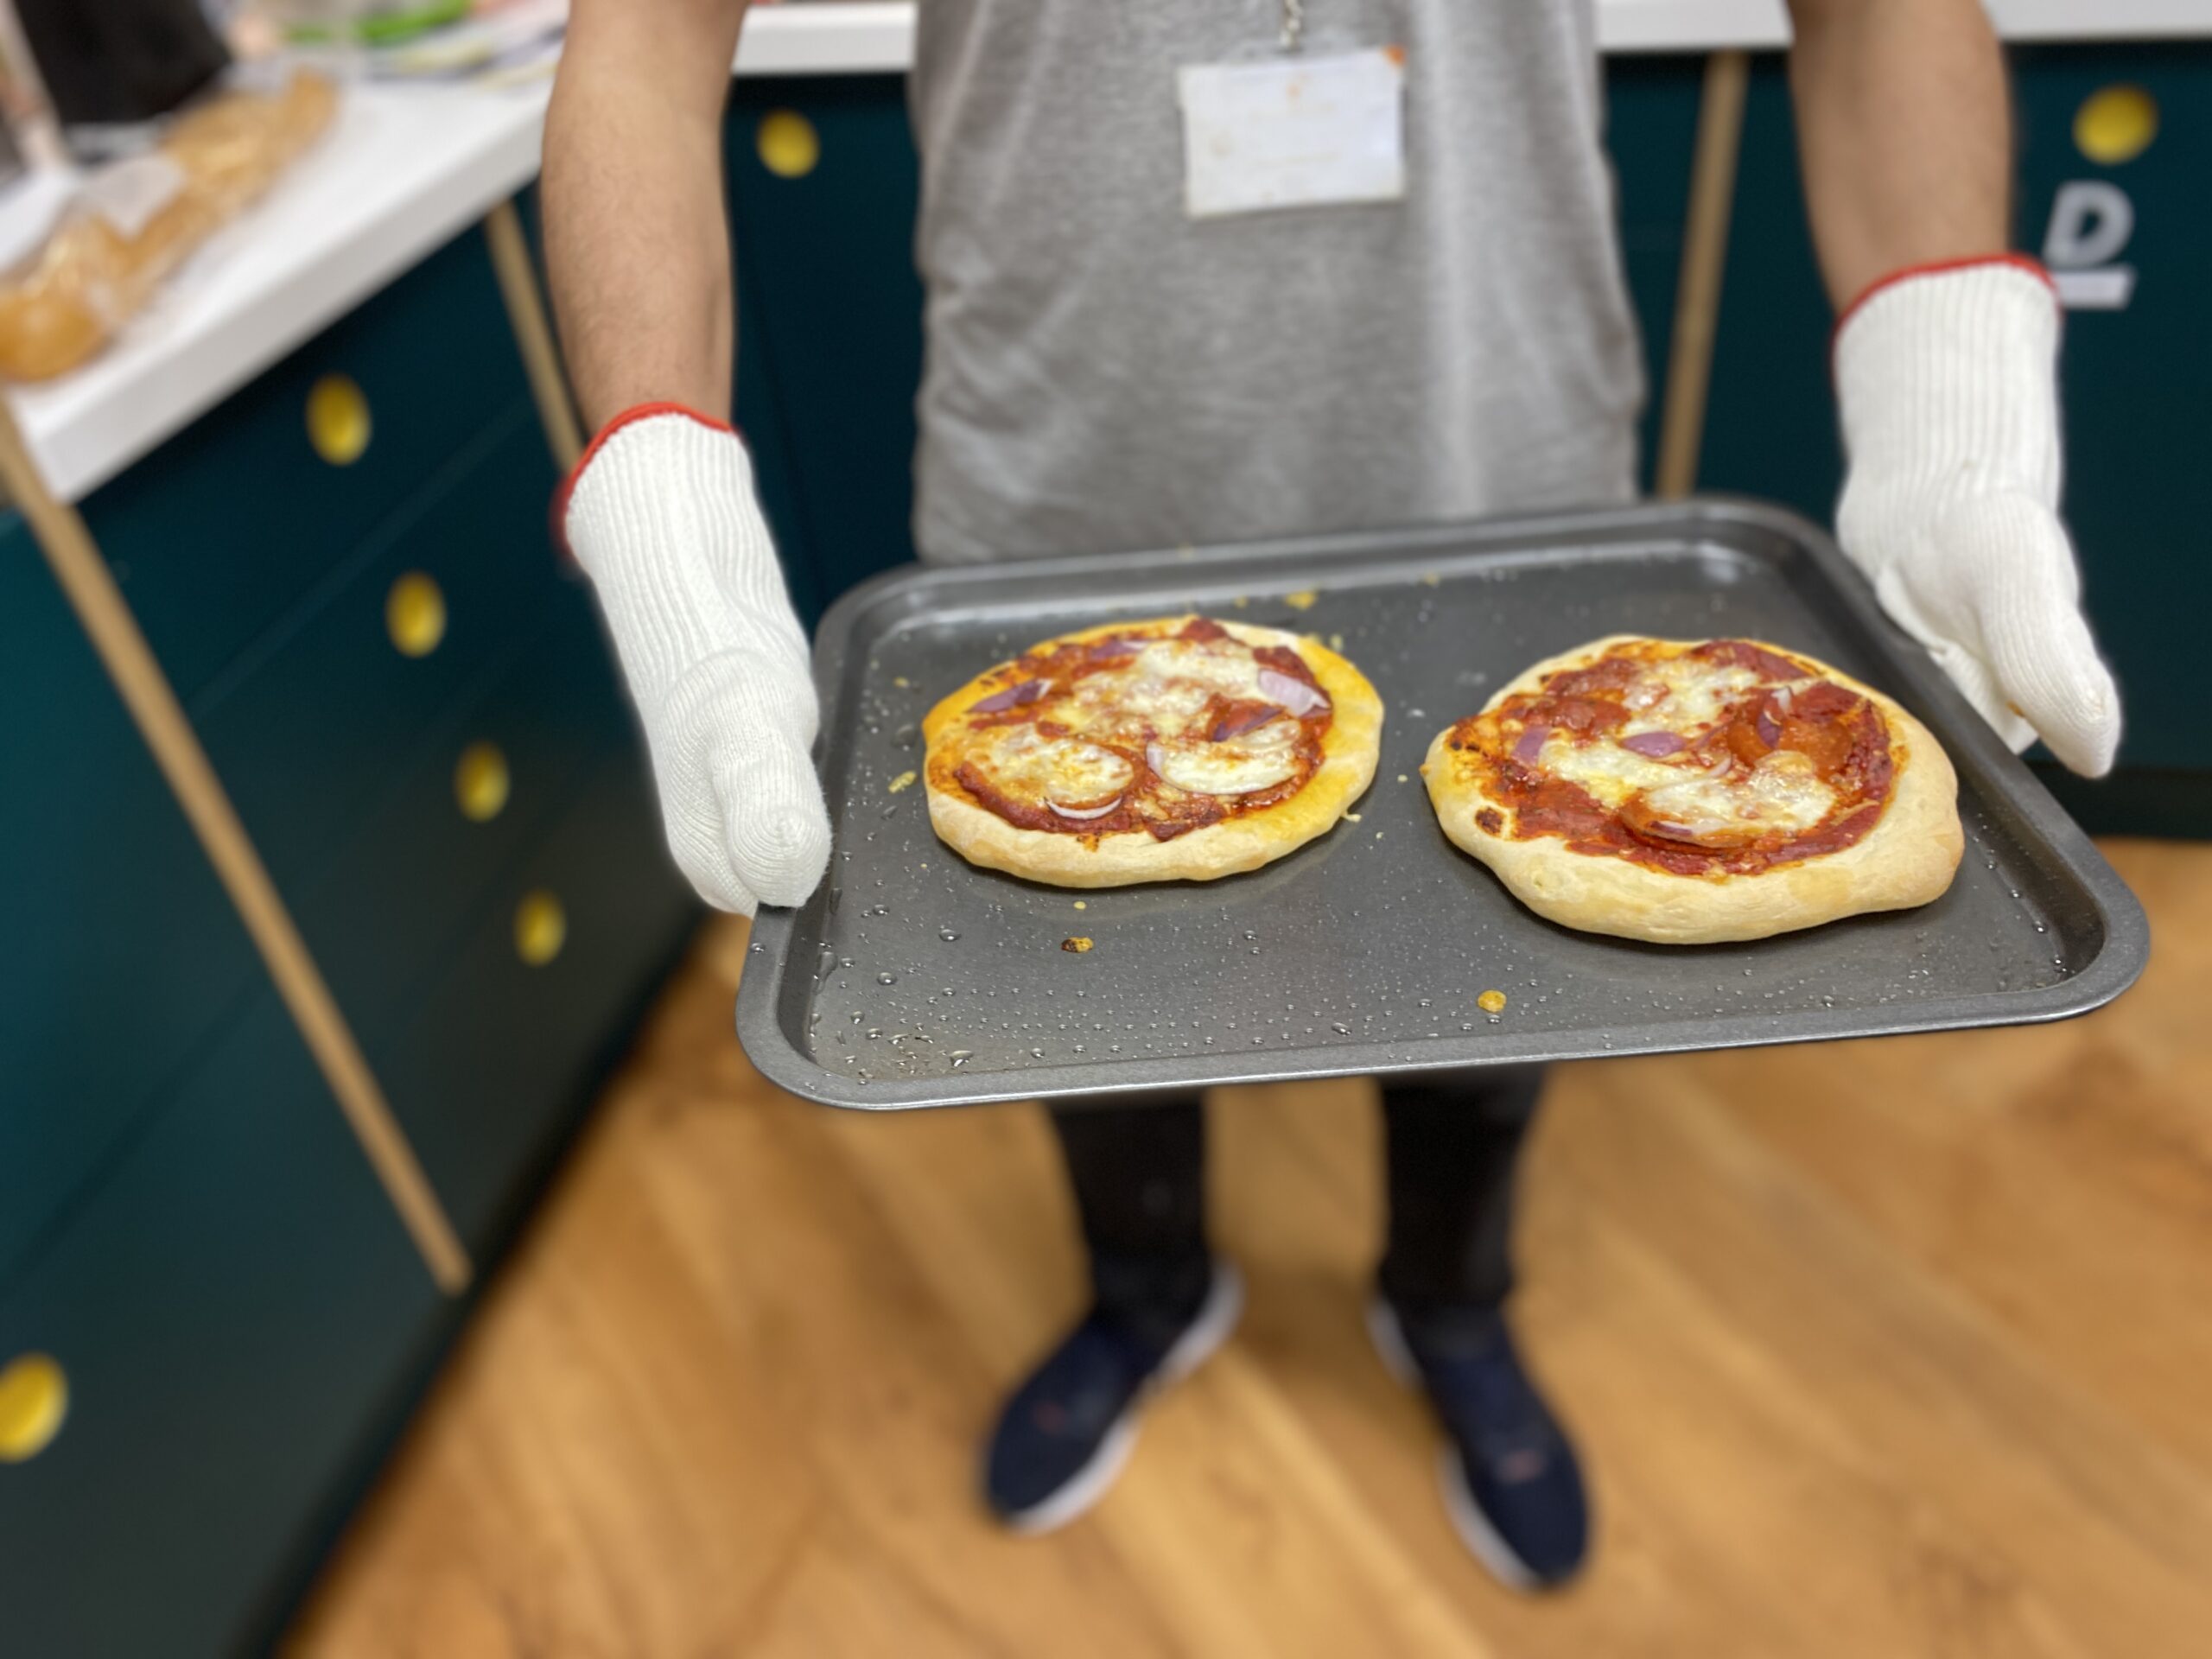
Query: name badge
{"points": [[1293, 132]]}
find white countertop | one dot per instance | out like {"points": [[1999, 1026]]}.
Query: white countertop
{"points": [[406, 168], [879, 34], [402, 169], [1700, 25]]}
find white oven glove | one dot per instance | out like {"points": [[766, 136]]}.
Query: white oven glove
{"points": [[1947, 378], [661, 513]]}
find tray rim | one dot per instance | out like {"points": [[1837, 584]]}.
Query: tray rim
{"points": [[2118, 962]]}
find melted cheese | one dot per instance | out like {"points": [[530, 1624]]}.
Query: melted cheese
{"points": [[1225, 665], [1697, 695], [1165, 689], [1258, 759], [1024, 766], [1782, 793], [1610, 773], [1123, 709]]}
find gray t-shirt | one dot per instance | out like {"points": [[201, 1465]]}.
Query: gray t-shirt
{"points": [[1105, 373]]}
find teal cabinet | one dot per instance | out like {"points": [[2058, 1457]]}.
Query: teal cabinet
{"points": [[122, 955], [535, 999], [405, 694], [404, 888], [309, 723], [238, 1313], [226, 527]]}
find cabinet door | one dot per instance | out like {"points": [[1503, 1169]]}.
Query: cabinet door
{"points": [[313, 736], [222, 530], [122, 954], [240, 1317], [502, 1048], [406, 889]]}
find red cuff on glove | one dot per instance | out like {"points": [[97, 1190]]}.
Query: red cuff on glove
{"points": [[635, 412], [1936, 267]]}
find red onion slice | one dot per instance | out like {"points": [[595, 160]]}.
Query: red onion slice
{"points": [[1530, 744], [1782, 695], [1012, 698], [1655, 745], [1154, 756], [1770, 733], [1290, 691], [1085, 814], [1249, 720]]}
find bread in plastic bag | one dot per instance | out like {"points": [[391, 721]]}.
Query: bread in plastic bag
{"points": [[137, 222]]}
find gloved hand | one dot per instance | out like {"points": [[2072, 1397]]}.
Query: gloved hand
{"points": [[661, 513], [1947, 378]]}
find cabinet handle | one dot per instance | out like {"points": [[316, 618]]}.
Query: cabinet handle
{"points": [[541, 928], [338, 419], [2115, 123], [415, 614], [34, 1399], [481, 782], [787, 143]]}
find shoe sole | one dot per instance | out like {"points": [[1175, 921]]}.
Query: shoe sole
{"points": [[1217, 1317], [1483, 1540]]}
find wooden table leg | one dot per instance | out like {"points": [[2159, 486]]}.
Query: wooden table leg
{"points": [[1705, 252]]}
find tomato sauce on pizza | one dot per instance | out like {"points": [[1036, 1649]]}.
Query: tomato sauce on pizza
{"points": [[1725, 757], [1163, 728]]}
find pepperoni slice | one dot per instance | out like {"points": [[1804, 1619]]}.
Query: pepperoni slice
{"points": [[1742, 653]]}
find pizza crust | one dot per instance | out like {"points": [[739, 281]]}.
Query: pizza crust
{"points": [[1349, 753], [1907, 859]]}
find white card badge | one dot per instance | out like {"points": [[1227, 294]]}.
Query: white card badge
{"points": [[1293, 132]]}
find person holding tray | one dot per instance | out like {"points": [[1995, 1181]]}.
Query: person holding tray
{"points": [[1219, 270]]}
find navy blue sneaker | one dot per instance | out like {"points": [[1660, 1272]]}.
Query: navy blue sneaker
{"points": [[1511, 1480], [1065, 1434]]}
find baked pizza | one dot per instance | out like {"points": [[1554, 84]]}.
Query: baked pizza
{"points": [[1688, 792], [1178, 749]]}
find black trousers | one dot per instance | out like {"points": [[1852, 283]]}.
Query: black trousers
{"points": [[1139, 1175]]}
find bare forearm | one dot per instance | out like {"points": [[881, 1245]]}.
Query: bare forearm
{"points": [[1905, 130], [636, 237]]}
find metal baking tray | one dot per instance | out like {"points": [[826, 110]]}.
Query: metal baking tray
{"points": [[913, 979]]}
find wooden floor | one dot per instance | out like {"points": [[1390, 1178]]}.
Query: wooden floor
{"points": [[1888, 1349]]}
